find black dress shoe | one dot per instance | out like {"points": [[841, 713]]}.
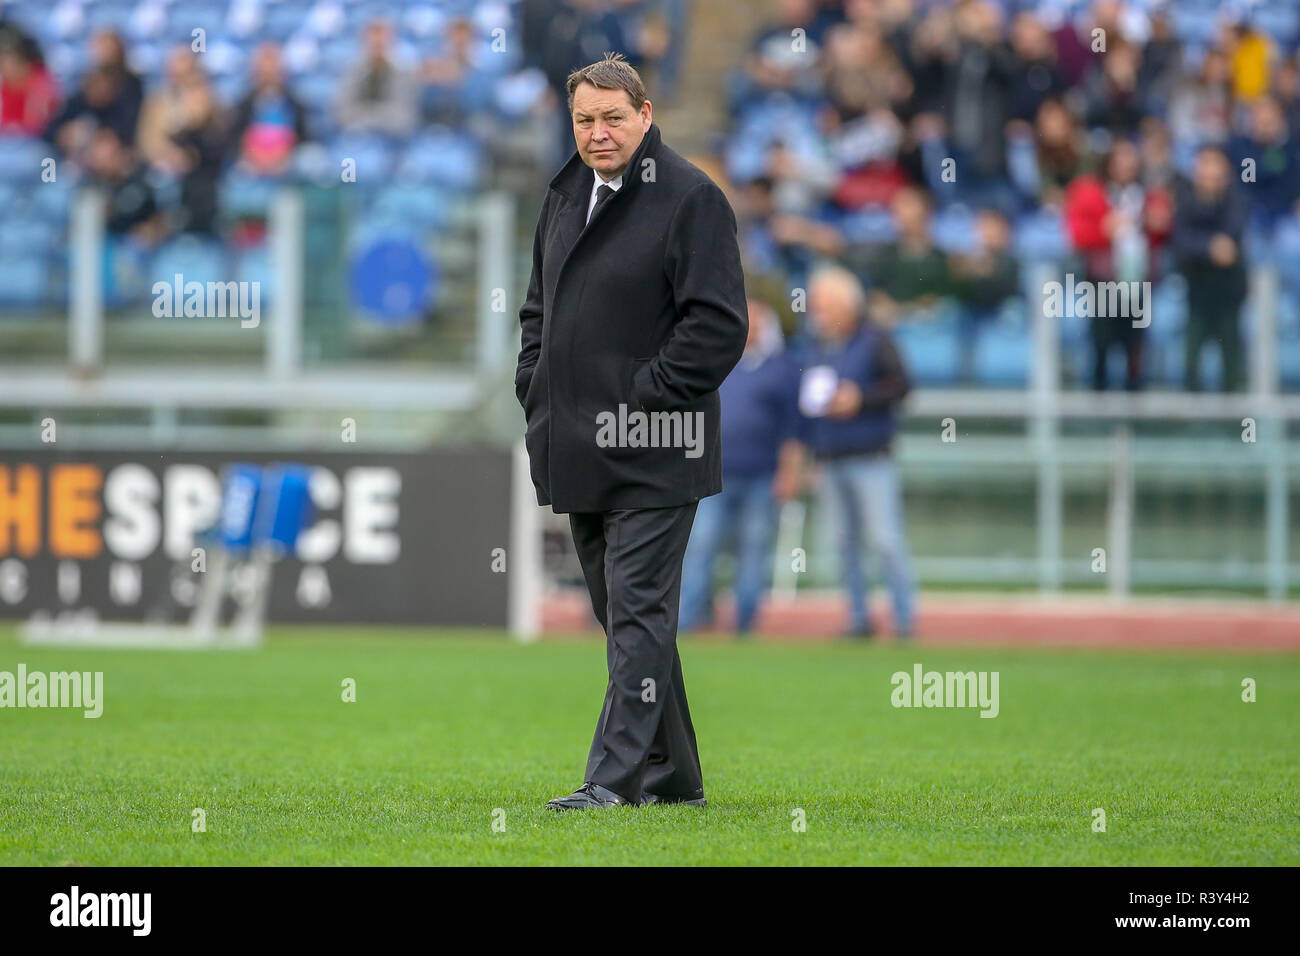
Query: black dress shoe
{"points": [[695, 799], [586, 797]]}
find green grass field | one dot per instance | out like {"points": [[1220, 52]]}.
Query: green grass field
{"points": [[448, 728]]}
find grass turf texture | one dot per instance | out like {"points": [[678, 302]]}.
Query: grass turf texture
{"points": [[448, 727]]}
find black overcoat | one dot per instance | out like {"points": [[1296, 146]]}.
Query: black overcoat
{"points": [[644, 308]]}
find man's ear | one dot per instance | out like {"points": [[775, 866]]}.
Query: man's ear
{"points": [[647, 115]]}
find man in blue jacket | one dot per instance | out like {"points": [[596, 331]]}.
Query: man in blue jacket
{"points": [[853, 379], [759, 421]]}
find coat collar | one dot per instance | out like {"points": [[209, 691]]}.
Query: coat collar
{"points": [[574, 178]]}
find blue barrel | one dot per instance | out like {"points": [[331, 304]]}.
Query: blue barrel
{"points": [[285, 509], [240, 490]]}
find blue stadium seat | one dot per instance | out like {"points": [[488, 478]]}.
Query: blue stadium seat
{"points": [[931, 349], [373, 155], [24, 280], [868, 225], [245, 195], [34, 235], [443, 157], [254, 265], [953, 230], [1004, 349], [20, 160], [197, 260], [427, 207], [1041, 237]]}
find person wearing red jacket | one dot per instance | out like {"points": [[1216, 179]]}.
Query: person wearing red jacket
{"points": [[1117, 225], [28, 95]]}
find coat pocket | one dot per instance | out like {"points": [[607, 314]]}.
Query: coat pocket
{"points": [[634, 366]]}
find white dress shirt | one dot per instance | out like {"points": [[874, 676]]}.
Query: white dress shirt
{"points": [[615, 184]]}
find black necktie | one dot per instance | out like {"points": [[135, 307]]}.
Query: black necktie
{"points": [[603, 193]]}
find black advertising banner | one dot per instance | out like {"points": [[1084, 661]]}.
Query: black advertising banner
{"points": [[397, 537]]}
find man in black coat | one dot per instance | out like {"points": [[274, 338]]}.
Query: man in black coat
{"points": [[635, 314]]}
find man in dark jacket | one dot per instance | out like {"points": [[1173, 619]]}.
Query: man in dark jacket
{"points": [[634, 315], [852, 383], [1209, 221]]}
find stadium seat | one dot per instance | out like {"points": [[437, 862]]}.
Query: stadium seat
{"points": [[427, 207], [1041, 237], [373, 155], [24, 280], [931, 349], [20, 159], [442, 157], [1003, 348], [254, 265], [197, 260]]}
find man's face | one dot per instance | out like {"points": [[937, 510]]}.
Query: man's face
{"points": [[1210, 174], [266, 66], [910, 214], [832, 308], [378, 38], [606, 128]]}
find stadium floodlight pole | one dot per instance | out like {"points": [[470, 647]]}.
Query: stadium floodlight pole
{"points": [[86, 280]]}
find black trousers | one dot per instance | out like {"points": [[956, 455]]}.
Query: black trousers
{"points": [[632, 563], [1213, 314]]}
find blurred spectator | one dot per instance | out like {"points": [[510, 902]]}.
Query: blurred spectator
{"points": [[379, 95], [1059, 152], [908, 276], [1073, 39], [983, 280], [979, 101], [781, 61], [1114, 96], [110, 95], [166, 111], [1250, 54], [132, 206], [1286, 89], [455, 88], [1162, 60], [759, 422], [28, 95], [1200, 107], [1209, 222], [862, 74], [1116, 225], [1035, 76], [852, 382], [269, 122], [1270, 149], [1157, 154], [182, 134]]}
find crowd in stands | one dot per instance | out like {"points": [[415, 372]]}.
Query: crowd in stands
{"points": [[941, 149], [938, 149], [188, 110]]}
